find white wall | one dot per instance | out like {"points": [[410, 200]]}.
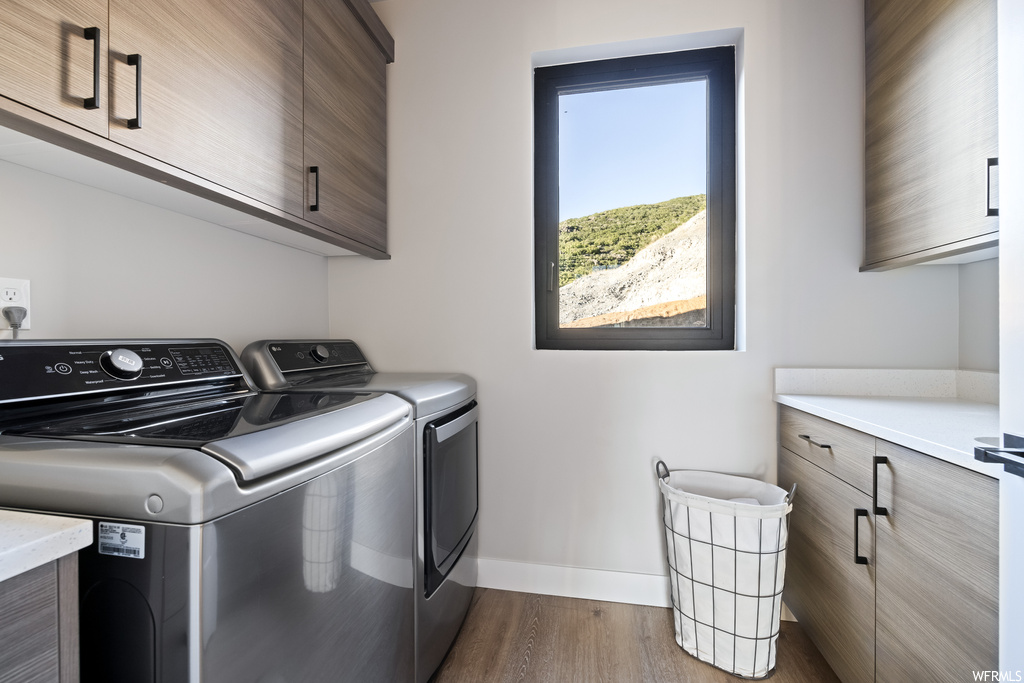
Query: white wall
{"points": [[102, 265], [979, 315], [567, 438]]}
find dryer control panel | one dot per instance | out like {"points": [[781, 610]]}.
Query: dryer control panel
{"points": [[36, 370], [292, 356]]}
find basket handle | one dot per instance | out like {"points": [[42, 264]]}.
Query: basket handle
{"points": [[792, 494], [660, 467]]}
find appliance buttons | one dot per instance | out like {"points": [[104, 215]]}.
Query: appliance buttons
{"points": [[62, 368], [320, 353]]}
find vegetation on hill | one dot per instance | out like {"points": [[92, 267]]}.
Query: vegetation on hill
{"points": [[610, 238]]}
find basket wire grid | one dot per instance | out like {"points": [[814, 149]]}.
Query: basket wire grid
{"points": [[722, 569]]}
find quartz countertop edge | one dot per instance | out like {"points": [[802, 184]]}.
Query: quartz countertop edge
{"points": [[29, 540], [944, 428]]}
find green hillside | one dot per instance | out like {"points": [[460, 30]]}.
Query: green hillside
{"points": [[610, 238]]}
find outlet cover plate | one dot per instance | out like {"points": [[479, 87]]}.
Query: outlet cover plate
{"points": [[15, 292]]}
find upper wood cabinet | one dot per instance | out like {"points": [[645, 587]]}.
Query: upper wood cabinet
{"points": [[345, 120], [220, 93], [233, 101], [52, 62], [931, 127]]}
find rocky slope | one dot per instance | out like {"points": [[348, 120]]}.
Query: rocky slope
{"points": [[664, 279]]}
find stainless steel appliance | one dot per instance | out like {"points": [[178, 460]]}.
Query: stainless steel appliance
{"points": [[240, 537], [445, 411]]}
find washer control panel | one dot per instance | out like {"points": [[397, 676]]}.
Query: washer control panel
{"points": [[50, 369]]}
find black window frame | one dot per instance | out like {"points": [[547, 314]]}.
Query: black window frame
{"points": [[718, 66]]}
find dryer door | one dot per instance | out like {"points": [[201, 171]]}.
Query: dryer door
{"points": [[450, 495]]}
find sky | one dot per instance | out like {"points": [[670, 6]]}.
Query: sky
{"points": [[631, 146]]}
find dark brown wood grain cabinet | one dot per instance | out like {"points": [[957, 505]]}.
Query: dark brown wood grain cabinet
{"points": [[346, 51], [39, 624], [931, 128], [922, 601], [53, 58], [220, 92]]}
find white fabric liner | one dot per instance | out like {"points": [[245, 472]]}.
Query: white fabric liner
{"points": [[726, 538]]}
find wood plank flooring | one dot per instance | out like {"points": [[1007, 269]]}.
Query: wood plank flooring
{"points": [[538, 638]]}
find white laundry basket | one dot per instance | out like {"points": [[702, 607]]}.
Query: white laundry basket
{"points": [[726, 538]]}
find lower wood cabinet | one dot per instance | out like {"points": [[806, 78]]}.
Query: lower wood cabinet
{"points": [[937, 575], [39, 624], [921, 602], [838, 613]]}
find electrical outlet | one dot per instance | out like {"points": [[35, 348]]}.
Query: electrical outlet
{"points": [[14, 292]]}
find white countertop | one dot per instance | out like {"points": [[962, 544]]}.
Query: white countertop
{"points": [[945, 428], [28, 540]]}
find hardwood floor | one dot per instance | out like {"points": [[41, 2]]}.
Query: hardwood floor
{"points": [[524, 637]]}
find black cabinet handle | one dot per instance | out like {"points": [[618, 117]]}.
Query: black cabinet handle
{"points": [[991, 210], [811, 441], [93, 34], [879, 460], [315, 206], [136, 61], [857, 557]]}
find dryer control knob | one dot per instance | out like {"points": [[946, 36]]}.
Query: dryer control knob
{"points": [[121, 364], [320, 353]]}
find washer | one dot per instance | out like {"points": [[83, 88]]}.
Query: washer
{"points": [[241, 537], [446, 412]]}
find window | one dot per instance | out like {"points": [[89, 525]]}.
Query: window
{"points": [[635, 202]]}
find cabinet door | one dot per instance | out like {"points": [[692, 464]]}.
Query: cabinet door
{"points": [[29, 626], [48, 63], [831, 595], [931, 125], [345, 116], [937, 577], [221, 91]]}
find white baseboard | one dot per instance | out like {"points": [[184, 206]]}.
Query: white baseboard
{"points": [[574, 582]]}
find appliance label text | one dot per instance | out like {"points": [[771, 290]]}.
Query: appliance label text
{"points": [[124, 540]]}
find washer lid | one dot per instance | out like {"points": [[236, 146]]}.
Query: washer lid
{"points": [[259, 454]]}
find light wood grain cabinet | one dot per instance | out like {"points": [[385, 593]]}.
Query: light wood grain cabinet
{"points": [[833, 596], [345, 121], [931, 126], [220, 92], [937, 584], [234, 102], [923, 603], [39, 624], [53, 58]]}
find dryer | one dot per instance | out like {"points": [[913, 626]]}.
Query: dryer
{"points": [[446, 414]]}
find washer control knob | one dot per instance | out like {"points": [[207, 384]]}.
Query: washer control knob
{"points": [[320, 353], [121, 364]]}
